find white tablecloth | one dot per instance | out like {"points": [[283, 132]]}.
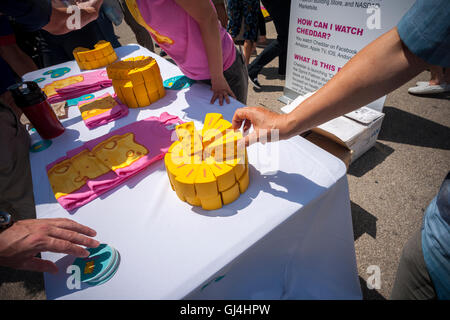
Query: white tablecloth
{"points": [[289, 236]]}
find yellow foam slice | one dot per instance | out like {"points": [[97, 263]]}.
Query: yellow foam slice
{"points": [[239, 165], [64, 178], [218, 130], [190, 139], [119, 151], [244, 181], [184, 181], [194, 201], [225, 147], [224, 174], [231, 194], [210, 120], [212, 203], [206, 182]]}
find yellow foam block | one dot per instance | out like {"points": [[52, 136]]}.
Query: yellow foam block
{"points": [[201, 179], [212, 203], [119, 151], [239, 165], [216, 131], [184, 181], [64, 178], [190, 139], [244, 181], [229, 195], [206, 182], [210, 120], [225, 147], [102, 55], [137, 81], [224, 174]]}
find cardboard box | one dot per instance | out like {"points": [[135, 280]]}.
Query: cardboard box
{"points": [[331, 146], [356, 131]]}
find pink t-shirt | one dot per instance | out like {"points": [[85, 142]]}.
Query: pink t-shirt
{"points": [[179, 35]]}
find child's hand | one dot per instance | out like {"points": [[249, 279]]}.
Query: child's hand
{"points": [[221, 90]]}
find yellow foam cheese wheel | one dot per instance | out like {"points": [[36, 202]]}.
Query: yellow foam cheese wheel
{"points": [[102, 55], [207, 168], [136, 81]]}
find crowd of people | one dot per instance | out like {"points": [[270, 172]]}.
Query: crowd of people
{"points": [[202, 37]]}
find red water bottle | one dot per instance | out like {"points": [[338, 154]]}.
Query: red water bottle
{"points": [[33, 102]]}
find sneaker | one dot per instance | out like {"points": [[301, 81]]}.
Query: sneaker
{"points": [[427, 89], [255, 83]]}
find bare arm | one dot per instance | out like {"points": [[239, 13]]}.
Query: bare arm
{"points": [[203, 12], [379, 68], [17, 59]]}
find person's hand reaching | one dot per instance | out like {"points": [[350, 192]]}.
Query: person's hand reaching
{"points": [[263, 122], [221, 90], [20, 243]]}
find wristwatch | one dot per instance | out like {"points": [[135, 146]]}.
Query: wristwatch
{"points": [[6, 220]]}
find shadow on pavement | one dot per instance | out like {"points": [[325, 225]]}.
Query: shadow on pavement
{"points": [[403, 127], [369, 160], [363, 222]]}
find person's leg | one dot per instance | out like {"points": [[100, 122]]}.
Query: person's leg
{"points": [[280, 15], [250, 11], [237, 78], [412, 281], [261, 27], [437, 75], [269, 53]]}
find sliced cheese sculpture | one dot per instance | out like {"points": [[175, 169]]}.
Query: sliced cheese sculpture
{"points": [[102, 55], [208, 168], [137, 81]]}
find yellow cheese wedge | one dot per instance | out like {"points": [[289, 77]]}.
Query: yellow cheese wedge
{"points": [[239, 165], [212, 203], [216, 131], [194, 201], [224, 174], [229, 195], [244, 181], [206, 182], [184, 181], [190, 139], [225, 147], [210, 120]]}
